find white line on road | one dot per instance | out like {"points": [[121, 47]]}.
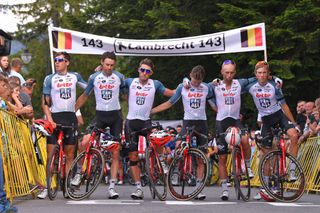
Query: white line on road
{"points": [[293, 205], [105, 202], [197, 203]]}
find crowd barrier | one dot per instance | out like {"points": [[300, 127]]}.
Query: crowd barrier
{"points": [[21, 169], [24, 171]]}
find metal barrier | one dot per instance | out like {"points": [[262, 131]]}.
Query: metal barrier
{"points": [[22, 172]]}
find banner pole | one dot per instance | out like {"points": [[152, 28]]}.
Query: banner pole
{"points": [[265, 42], [50, 46]]}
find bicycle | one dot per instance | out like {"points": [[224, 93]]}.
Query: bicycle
{"points": [[88, 167], [239, 169], [56, 172], [274, 167], [155, 164], [182, 172]]}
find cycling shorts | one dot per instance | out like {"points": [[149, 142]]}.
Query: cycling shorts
{"points": [[201, 126], [132, 126]]}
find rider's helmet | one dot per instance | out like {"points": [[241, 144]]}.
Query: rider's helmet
{"points": [[43, 126], [233, 136], [159, 137]]}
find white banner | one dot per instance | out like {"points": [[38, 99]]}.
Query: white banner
{"points": [[245, 39]]}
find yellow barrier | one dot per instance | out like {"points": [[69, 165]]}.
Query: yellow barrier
{"points": [[21, 169]]}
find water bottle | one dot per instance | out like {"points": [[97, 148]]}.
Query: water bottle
{"points": [[194, 141]]}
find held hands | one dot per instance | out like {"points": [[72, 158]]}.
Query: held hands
{"points": [[186, 83], [278, 82], [216, 82]]}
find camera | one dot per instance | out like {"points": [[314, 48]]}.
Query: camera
{"points": [[5, 43]]}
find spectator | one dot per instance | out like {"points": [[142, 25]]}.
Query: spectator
{"points": [[4, 203], [27, 112], [317, 103], [310, 122], [301, 115], [4, 65], [16, 65], [28, 86]]}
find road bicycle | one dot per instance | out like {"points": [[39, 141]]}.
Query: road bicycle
{"points": [[155, 164], [88, 167], [56, 168], [239, 170], [184, 172], [277, 168]]}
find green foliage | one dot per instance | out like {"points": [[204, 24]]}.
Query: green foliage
{"points": [[292, 28]]}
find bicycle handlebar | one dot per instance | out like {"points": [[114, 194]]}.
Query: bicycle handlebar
{"points": [[146, 130]]}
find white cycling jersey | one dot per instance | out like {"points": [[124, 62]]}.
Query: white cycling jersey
{"points": [[268, 98], [62, 89], [194, 100], [228, 101], [106, 90], [141, 97]]}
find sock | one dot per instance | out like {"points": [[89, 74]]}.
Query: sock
{"points": [[138, 185], [198, 183], [247, 162], [292, 167], [112, 183], [224, 185]]}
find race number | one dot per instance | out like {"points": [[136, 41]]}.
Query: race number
{"points": [[265, 102], [65, 93], [106, 94], [195, 103]]}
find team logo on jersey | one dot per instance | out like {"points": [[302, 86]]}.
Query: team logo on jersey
{"points": [[140, 100], [265, 102], [138, 87], [191, 90], [229, 100], [106, 94], [195, 103], [223, 89], [259, 90], [104, 81], [107, 86], [65, 93], [60, 80], [64, 85], [194, 95]]}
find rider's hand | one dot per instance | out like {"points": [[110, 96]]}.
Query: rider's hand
{"points": [[278, 82], [186, 83], [216, 82]]}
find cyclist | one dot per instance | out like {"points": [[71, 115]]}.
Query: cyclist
{"points": [[273, 109], [58, 104], [106, 85], [141, 97], [227, 102], [194, 103]]}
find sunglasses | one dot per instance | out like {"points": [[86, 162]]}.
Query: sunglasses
{"points": [[59, 60], [228, 62], [146, 71]]}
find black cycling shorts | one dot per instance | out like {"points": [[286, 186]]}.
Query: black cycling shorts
{"points": [[132, 126], [70, 134], [112, 119], [201, 126]]}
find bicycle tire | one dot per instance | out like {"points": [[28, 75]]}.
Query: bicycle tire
{"points": [[180, 190], [241, 178], [53, 176], [157, 178], [89, 182], [279, 187]]}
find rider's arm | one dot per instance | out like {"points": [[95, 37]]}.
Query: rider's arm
{"points": [[161, 107], [81, 100], [285, 108], [169, 92]]}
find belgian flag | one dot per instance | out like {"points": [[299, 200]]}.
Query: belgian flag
{"points": [[62, 40], [251, 37]]}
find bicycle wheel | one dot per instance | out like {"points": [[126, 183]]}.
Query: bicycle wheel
{"points": [[240, 175], [53, 176], [90, 170], [182, 180], [156, 176], [277, 184]]}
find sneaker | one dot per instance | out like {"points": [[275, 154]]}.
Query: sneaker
{"points": [[225, 195], [251, 175], [200, 196], [76, 180], [292, 176], [43, 194], [257, 196], [120, 182], [113, 194], [137, 195], [266, 196], [174, 180]]}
